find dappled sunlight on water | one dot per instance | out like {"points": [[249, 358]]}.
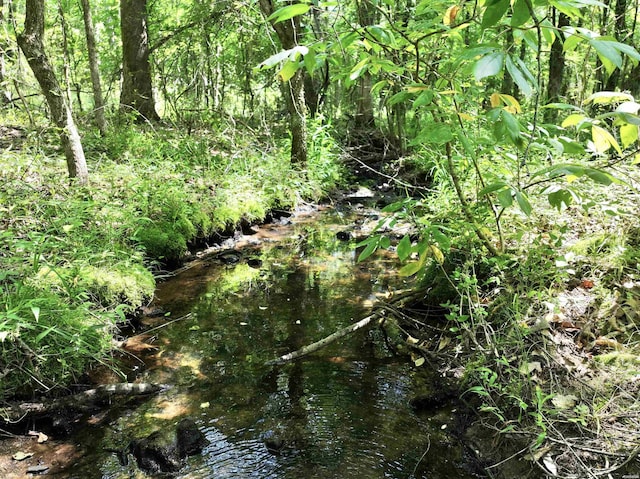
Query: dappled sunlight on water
{"points": [[341, 413]]}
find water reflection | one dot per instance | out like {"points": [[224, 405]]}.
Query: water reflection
{"points": [[342, 413]]}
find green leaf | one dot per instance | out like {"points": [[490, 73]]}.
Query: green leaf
{"points": [[518, 77], [440, 237], [288, 12], [599, 176], [310, 62], [368, 251], [560, 197], [399, 97], [35, 310], [411, 268], [404, 248], [505, 197], [494, 12], [425, 98], [523, 202], [44, 334], [492, 187], [439, 133], [608, 53], [512, 126], [361, 67], [488, 65], [521, 13]]}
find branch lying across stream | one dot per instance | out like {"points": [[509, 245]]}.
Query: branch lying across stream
{"points": [[379, 314], [82, 401]]}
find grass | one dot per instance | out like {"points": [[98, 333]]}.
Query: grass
{"points": [[76, 261]]}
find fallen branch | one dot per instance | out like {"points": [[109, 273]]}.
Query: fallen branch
{"points": [[328, 340], [80, 402], [379, 314]]}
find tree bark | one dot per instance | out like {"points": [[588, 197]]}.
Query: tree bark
{"points": [[98, 102], [31, 43], [137, 90], [556, 86], [293, 90], [620, 30], [367, 16]]}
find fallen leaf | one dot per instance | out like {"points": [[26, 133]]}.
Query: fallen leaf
{"points": [[550, 465], [564, 401], [42, 437], [587, 284], [21, 456]]}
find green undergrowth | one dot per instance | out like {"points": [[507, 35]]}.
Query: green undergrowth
{"points": [[545, 336], [75, 261]]}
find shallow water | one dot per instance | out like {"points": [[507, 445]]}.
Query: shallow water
{"points": [[342, 412]]}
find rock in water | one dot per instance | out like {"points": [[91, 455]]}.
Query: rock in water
{"points": [[164, 452], [189, 439]]}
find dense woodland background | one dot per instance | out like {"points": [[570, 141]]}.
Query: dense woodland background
{"points": [[508, 128]]}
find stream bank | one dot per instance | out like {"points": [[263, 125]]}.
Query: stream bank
{"points": [[353, 406]]}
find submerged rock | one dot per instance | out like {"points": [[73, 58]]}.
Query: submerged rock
{"points": [[164, 452], [274, 444]]}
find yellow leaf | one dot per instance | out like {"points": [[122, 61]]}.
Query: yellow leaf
{"points": [[495, 100], [417, 88], [571, 178], [465, 116], [628, 134], [572, 120], [444, 342], [513, 106], [450, 15], [437, 254], [419, 362], [288, 70], [603, 140]]}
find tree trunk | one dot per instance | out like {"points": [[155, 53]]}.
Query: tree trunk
{"points": [[620, 29], [98, 103], [137, 90], [30, 41], [556, 86], [367, 16], [293, 90]]}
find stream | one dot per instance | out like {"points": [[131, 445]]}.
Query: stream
{"points": [[343, 412]]}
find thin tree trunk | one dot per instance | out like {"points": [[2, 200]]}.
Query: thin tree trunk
{"points": [[98, 102], [30, 41], [620, 30], [293, 90], [556, 86], [137, 90], [367, 16]]}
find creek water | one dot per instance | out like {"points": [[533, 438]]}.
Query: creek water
{"points": [[343, 412]]}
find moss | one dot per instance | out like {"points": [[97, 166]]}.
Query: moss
{"points": [[129, 284], [162, 242]]}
